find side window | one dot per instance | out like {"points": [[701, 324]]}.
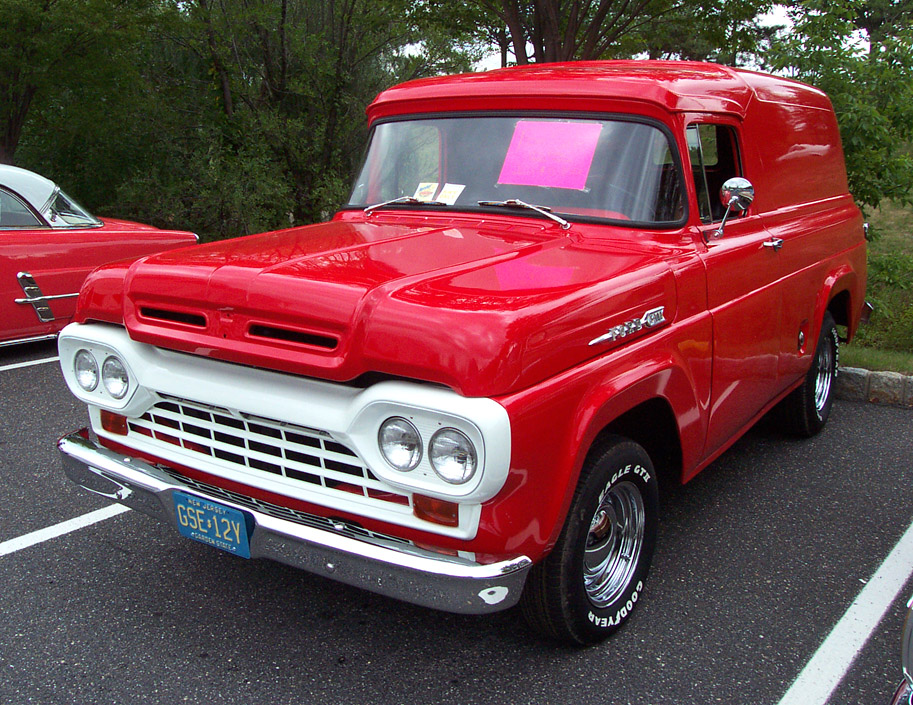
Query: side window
{"points": [[15, 214], [714, 152]]}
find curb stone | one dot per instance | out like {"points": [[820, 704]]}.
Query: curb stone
{"points": [[891, 388]]}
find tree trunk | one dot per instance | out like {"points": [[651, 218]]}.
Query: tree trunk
{"points": [[13, 120], [218, 66], [516, 29]]}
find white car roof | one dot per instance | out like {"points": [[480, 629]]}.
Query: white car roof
{"points": [[35, 189]]}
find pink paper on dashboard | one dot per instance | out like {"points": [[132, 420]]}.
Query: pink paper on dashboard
{"points": [[556, 154]]}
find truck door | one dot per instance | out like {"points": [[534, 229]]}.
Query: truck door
{"points": [[743, 293]]}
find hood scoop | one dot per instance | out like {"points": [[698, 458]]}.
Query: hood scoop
{"points": [[293, 336], [162, 315], [178, 319]]}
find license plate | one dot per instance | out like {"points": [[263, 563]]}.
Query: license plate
{"points": [[212, 523]]}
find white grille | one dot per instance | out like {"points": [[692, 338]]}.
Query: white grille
{"points": [[307, 457]]}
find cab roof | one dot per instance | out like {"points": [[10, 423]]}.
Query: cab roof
{"points": [[669, 85]]}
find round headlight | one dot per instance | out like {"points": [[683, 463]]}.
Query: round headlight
{"points": [[400, 443], [453, 456], [86, 370], [115, 377]]}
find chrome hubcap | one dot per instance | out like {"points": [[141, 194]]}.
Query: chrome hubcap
{"points": [[613, 544], [827, 368]]}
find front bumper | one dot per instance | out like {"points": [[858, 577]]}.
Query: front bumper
{"points": [[402, 571]]}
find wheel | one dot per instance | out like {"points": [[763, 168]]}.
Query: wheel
{"points": [[805, 411], [588, 585]]}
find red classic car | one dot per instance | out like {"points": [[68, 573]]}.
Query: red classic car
{"points": [[464, 389], [48, 244]]}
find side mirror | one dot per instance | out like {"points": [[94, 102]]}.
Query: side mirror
{"points": [[736, 194]]}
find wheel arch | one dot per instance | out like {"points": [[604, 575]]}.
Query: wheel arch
{"points": [[842, 297], [656, 395], [660, 412], [652, 425]]}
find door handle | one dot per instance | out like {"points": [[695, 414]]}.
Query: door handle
{"points": [[774, 242]]}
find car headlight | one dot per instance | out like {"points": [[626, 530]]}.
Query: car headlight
{"points": [[86, 370], [115, 378], [453, 456], [400, 443]]}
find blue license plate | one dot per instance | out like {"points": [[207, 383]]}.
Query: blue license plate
{"points": [[212, 523]]}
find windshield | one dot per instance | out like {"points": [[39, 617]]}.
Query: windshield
{"points": [[612, 169], [62, 211]]}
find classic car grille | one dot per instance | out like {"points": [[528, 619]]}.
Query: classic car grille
{"points": [[312, 520], [307, 457]]}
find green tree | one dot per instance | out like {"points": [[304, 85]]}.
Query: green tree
{"points": [[46, 44], [295, 76], [568, 30], [860, 52], [230, 116], [727, 33]]}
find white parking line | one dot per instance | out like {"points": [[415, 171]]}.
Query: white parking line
{"points": [[17, 365], [835, 656], [60, 529]]}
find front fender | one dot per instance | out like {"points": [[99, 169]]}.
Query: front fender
{"points": [[555, 424]]}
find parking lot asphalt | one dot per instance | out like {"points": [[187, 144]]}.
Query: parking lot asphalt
{"points": [[758, 559]]}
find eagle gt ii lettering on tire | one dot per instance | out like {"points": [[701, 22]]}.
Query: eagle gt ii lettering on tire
{"points": [[591, 581]]}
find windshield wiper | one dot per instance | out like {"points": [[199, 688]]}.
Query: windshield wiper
{"points": [[408, 200], [516, 203]]}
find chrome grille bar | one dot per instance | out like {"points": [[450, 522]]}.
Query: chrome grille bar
{"points": [[259, 446]]}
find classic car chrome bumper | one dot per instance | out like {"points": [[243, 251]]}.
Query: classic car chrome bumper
{"points": [[402, 571]]}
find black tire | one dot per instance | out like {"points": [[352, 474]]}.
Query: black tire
{"points": [[586, 588], [805, 411]]}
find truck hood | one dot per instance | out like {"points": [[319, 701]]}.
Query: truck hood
{"points": [[485, 307]]}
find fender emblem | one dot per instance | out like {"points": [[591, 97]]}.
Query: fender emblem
{"points": [[650, 319]]}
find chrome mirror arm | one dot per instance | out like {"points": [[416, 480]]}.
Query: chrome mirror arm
{"points": [[736, 193], [718, 233]]}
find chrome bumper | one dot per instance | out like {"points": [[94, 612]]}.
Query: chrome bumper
{"points": [[404, 572]]}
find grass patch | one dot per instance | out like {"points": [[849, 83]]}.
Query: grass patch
{"points": [[887, 342], [874, 359]]}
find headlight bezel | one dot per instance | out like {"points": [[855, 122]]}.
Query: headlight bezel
{"points": [[466, 416], [71, 346]]}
